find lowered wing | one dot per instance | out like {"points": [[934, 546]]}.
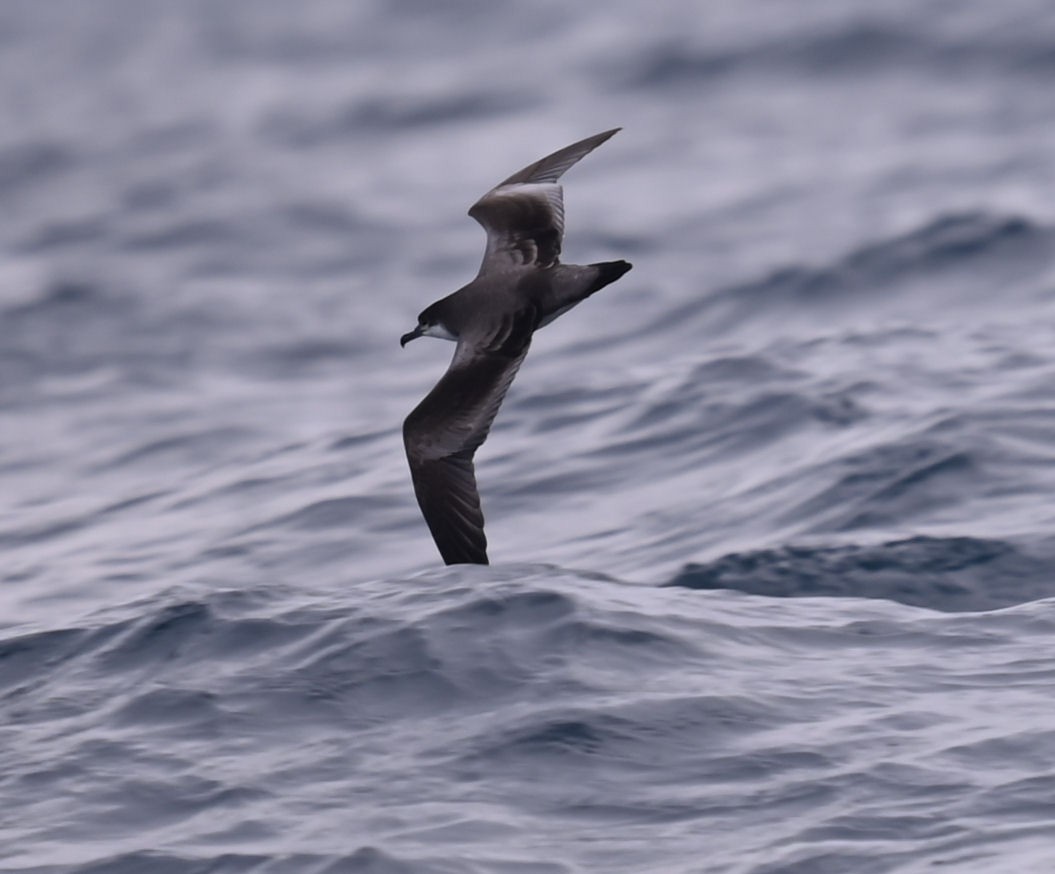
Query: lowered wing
{"points": [[444, 431]]}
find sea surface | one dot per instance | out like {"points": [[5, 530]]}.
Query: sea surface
{"points": [[772, 519]]}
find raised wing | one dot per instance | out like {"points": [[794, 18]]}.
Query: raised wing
{"points": [[444, 431], [524, 215]]}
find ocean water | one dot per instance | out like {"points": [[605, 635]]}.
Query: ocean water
{"points": [[771, 519]]}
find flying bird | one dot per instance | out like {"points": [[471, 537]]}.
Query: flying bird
{"points": [[521, 286]]}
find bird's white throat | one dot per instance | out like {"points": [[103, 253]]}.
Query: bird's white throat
{"points": [[439, 330]]}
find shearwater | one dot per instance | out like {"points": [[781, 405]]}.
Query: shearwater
{"points": [[521, 286]]}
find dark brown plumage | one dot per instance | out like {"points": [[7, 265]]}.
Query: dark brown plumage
{"points": [[521, 286]]}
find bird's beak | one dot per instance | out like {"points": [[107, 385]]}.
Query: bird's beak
{"points": [[406, 338]]}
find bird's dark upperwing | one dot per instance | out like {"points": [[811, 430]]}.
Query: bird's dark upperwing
{"points": [[444, 431], [524, 215]]}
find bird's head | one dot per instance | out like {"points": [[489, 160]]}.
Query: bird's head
{"points": [[429, 325]]}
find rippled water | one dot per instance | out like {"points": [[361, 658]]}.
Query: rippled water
{"points": [[771, 518]]}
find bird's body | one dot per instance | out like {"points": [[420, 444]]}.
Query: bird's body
{"points": [[521, 286]]}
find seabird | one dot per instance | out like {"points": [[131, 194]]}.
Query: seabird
{"points": [[521, 286]]}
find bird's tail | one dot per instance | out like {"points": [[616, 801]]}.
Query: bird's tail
{"points": [[574, 283], [608, 272]]}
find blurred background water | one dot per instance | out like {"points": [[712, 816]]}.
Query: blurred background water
{"points": [[771, 518]]}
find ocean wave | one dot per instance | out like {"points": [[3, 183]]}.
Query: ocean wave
{"points": [[890, 483], [297, 127], [950, 574], [444, 697], [27, 164], [858, 46], [950, 246]]}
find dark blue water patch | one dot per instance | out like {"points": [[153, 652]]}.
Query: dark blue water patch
{"points": [[23, 657], [953, 241], [74, 326], [248, 488], [160, 863], [155, 141], [131, 503], [209, 445], [297, 128], [326, 216], [168, 799], [27, 164], [861, 46], [948, 239], [151, 195], [944, 480], [153, 198], [188, 634], [948, 246], [41, 532], [158, 637], [197, 664], [36, 667], [417, 112], [518, 610], [951, 574], [274, 38], [366, 860], [179, 234], [743, 369], [362, 678], [646, 733], [890, 482], [351, 442], [769, 416], [726, 419], [301, 359], [857, 49], [63, 297], [54, 236], [672, 64], [332, 513], [188, 667]]}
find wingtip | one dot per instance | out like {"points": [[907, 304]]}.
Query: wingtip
{"points": [[553, 166], [472, 558], [596, 140]]}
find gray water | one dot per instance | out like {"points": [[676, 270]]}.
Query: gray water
{"points": [[770, 518]]}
